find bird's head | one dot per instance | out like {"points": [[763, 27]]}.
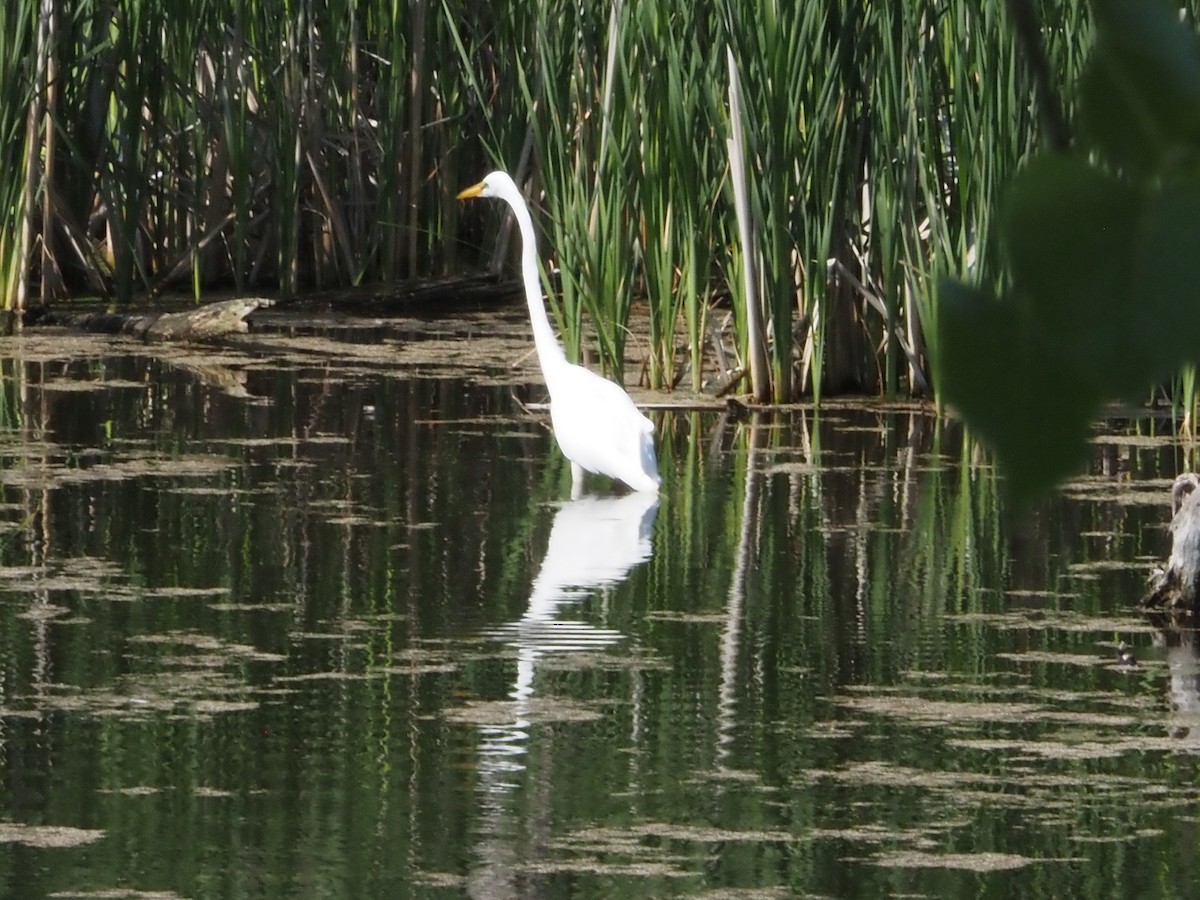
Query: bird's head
{"points": [[497, 184]]}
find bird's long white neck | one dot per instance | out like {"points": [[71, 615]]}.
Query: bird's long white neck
{"points": [[550, 352]]}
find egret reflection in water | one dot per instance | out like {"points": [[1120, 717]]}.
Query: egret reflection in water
{"points": [[594, 542]]}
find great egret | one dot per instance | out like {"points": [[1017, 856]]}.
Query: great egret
{"points": [[597, 426]]}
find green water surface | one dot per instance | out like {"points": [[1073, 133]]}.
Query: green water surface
{"points": [[296, 622]]}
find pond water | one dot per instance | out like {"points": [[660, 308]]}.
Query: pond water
{"points": [[311, 616]]}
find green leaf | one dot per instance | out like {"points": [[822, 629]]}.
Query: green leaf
{"points": [[1140, 92], [1013, 388], [1109, 268], [1104, 303], [1066, 230]]}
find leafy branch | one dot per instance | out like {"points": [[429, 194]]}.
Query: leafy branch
{"points": [[1101, 249]]}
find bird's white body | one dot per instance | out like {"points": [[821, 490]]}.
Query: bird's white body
{"points": [[597, 425], [600, 430]]}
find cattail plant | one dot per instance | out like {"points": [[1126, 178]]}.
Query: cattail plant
{"points": [[284, 147]]}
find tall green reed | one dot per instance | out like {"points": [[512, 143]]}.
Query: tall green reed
{"points": [[17, 82], [582, 163], [286, 145], [679, 179], [298, 145], [789, 60]]}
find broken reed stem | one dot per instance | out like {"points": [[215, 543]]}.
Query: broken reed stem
{"points": [[760, 380]]}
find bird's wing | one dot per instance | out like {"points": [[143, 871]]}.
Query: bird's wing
{"points": [[600, 428]]}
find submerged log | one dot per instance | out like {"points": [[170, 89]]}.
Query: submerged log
{"points": [[204, 323], [1175, 587]]}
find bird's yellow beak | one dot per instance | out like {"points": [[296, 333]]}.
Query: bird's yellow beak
{"points": [[473, 191]]}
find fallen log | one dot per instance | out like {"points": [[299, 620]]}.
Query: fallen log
{"points": [[204, 323], [227, 317], [1175, 587]]}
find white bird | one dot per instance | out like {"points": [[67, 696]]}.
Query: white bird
{"points": [[596, 423]]}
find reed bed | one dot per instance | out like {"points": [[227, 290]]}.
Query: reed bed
{"points": [[286, 147]]}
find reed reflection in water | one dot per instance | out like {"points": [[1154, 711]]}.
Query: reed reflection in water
{"points": [[237, 637]]}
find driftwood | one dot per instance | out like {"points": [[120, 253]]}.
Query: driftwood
{"points": [[204, 323], [227, 317], [1175, 587]]}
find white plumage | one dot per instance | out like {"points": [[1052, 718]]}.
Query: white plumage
{"points": [[597, 426]]}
